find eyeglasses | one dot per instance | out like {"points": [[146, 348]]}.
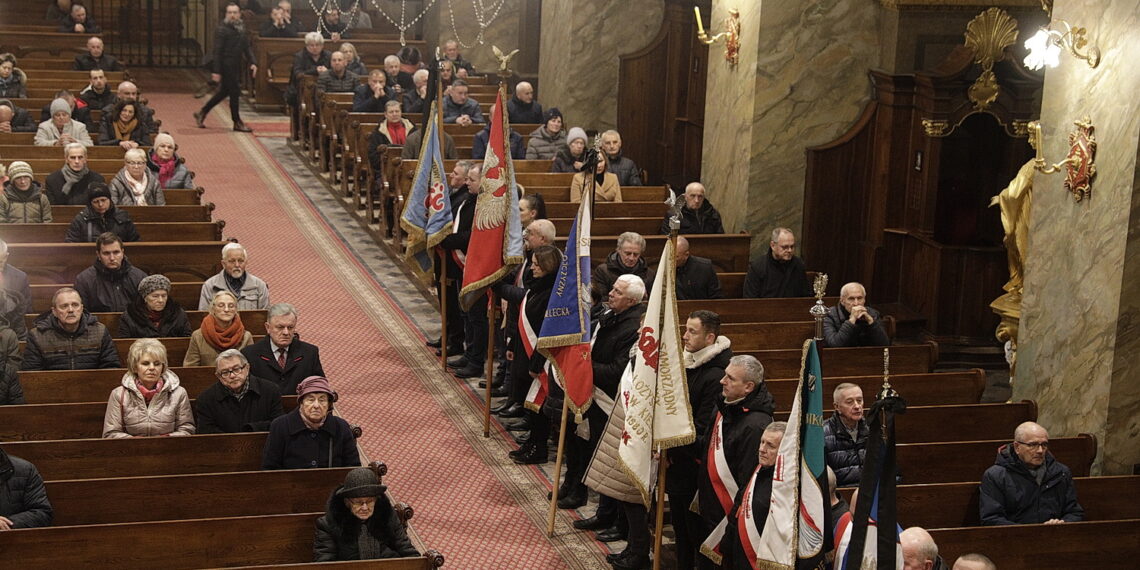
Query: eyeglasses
{"points": [[136, 163], [366, 502], [231, 372], [1034, 444]]}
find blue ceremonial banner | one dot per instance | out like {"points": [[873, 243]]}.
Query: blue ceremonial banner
{"points": [[427, 213]]}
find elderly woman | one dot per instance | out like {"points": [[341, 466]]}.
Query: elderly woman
{"points": [[13, 82], [150, 402], [61, 129], [547, 140], [124, 127], [154, 314], [360, 523], [222, 329], [606, 187], [23, 201], [310, 436], [101, 216], [571, 157], [135, 185], [166, 166], [355, 64]]}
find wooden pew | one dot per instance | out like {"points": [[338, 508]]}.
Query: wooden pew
{"points": [[185, 293], [253, 319], [967, 460], [61, 45], [788, 334], [28, 151], [61, 262], [922, 424], [65, 386], [167, 213], [929, 389], [905, 359], [754, 310], [149, 231], [1104, 545], [625, 209], [175, 347], [69, 77], [728, 252]]}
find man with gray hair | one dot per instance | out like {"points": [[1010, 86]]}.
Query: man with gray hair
{"points": [[974, 561], [852, 322], [238, 401], [413, 99], [251, 291], [281, 357], [780, 272], [1027, 485], [626, 170], [919, 552], [626, 259], [698, 216], [845, 435], [17, 299]]}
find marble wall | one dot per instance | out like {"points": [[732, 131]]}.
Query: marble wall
{"points": [[1079, 344], [503, 30]]}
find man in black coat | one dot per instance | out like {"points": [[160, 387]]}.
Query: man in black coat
{"points": [[23, 500], [1027, 485], [17, 295], [731, 546], [779, 273], [278, 26], [522, 108], [470, 363], [95, 58], [698, 216], [14, 119], [696, 276], [230, 46], [78, 21], [281, 357], [852, 322], [237, 402], [111, 284], [845, 435], [626, 170], [626, 259]]}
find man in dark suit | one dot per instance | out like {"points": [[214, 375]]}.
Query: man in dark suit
{"points": [[696, 276], [281, 357]]}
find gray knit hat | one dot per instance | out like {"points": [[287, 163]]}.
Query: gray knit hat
{"points": [[60, 104], [153, 283], [576, 133], [361, 482], [19, 168]]}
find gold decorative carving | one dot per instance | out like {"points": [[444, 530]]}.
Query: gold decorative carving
{"points": [[1080, 164], [1015, 201], [1020, 128], [935, 127], [730, 35], [987, 35]]}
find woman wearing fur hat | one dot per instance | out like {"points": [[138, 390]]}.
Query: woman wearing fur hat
{"points": [[571, 157], [101, 216], [154, 314], [134, 185], [310, 436], [151, 401], [23, 201], [360, 523], [165, 165], [13, 81], [546, 141]]}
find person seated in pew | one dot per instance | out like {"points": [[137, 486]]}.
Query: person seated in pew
{"points": [[852, 323], [23, 499], [154, 314], [310, 436], [919, 552], [23, 201], [696, 276], [460, 109], [97, 94], [483, 138], [96, 58], [282, 357], [974, 561], [13, 81], [337, 78], [78, 21], [572, 157], [61, 129], [698, 216], [396, 77], [15, 119], [124, 127], [151, 401], [221, 330], [415, 140], [237, 402], [522, 108], [360, 523], [166, 166], [312, 61], [134, 184], [332, 25], [547, 140], [760, 496], [625, 259], [69, 338], [79, 110], [111, 284], [374, 96], [1027, 485], [101, 217], [128, 91], [71, 185], [605, 183], [413, 99], [780, 273], [11, 393], [278, 26], [845, 435], [452, 55], [411, 60], [15, 293], [626, 170], [251, 292], [392, 131], [839, 506]]}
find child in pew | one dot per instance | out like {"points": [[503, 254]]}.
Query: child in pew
{"points": [[360, 502], [151, 401]]}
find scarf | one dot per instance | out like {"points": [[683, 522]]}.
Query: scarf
{"points": [[235, 284], [222, 339], [397, 134], [123, 130], [148, 394], [241, 392], [367, 545], [312, 425], [138, 188], [155, 318], [70, 177], [165, 168]]}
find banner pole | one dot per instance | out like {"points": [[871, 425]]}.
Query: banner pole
{"points": [[442, 308], [490, 363], [558, 466], [659, 523]]}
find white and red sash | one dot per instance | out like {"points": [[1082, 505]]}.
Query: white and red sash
{"points": [[723, 484], [539, 387]]}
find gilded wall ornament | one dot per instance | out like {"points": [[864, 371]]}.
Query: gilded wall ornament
{"points": [[987, 36]]}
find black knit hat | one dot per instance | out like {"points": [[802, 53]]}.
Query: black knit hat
{"points": [[550, 114], [99, 191], [361, 482]]}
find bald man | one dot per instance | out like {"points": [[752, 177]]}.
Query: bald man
{"points": [[522, 107], [698, 216], [919, 552], [95, 58], [128, 91], [852, 322], [1026, 485], [696, 276]]}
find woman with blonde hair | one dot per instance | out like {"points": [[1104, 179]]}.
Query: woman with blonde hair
{"points": [[135, 185], [355, 64], [151, 402], [221, 329]]}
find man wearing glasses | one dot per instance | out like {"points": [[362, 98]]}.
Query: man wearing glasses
{"points": [[780, 273], [237, 402], [1026, 485]]}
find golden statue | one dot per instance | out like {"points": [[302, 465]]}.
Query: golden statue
{"points": [[1015, 202]]}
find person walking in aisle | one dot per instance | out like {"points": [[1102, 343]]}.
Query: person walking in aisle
{"points": [[230, 45]]}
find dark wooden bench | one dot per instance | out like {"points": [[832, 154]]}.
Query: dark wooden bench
{"points": [[175, 347], [150, 231], [929, 389], [64, 386], [61, 262], [728, 252], [967, 460], [253, 319], [1104, 545], [755, 310], [624, 209], [905, 359], [768, 335], [167, 213], [25, 152], [57, 44], [964, 422], [185, 293]]}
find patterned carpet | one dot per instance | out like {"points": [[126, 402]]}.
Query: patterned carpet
{"points": [[470, 501]]}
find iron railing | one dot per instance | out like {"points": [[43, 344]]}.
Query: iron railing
{"points": [[155, 33]]}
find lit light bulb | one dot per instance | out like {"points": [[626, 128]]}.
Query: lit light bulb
{"points": [[1043, 51]]}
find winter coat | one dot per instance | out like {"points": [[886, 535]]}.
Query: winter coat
{"points": [[697, 279], [107, 136], [470, 107], [16, 86], [231, 44], [415, 140], [363, 101], [109, 291], [482, 139], [11, 392], [182, 177], [839, 332], [48, 135], [564, 161], [523, 113], [704, 220], [129, 414], [30, 207], [201, 353], [844, 455], [87, 225], [303, 360], [338, 529], [743, 424], [15, 300], [1010, 493], [703, 369], [84, 62], [769, 277], [615, 333], [96, 100], [627, 172], [292, 445], [50, 347], [22, 121], [122, 195], [328, 82], [254, 294], [135, 322], [219, 411], [80, 193], [731, 548], [544, 145], [603, 277], [381, 137], [608, 191], [67, 25], [23, 499]]}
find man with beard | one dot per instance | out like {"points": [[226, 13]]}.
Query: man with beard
{"points": [[111, 283], [251, 291], [230, 45], [780, 273]]}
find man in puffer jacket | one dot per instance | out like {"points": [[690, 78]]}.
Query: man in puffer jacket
{"points": [[845, 435], [23, 500], [1027, 485], [69, 338]]}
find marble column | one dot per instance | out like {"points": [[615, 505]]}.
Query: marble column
{"points": [[1079, 352]]}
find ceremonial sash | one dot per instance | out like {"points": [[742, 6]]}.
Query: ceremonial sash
{"points": [[746, 521], [723, 484], [459, 256], [539, 387]]}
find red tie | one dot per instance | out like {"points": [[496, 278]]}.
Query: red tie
{"points": [[281, 358]]}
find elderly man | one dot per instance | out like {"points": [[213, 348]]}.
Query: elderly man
{"points": [[627, 172], [470, 363], [71, 185], [312, 61], [731, 546], [14, 119], [373, 97], [337, 79], [17, 295], [852, 322], [78, 21], [281, 357], [780, 273], [69, 338], [460, 109], [250, 290], [278, 26], [919, 552], [522, 108], [61, 129], [696, 276], [698, 216], [1027, 485], [399, 79], [97, 94], [974, 561], [237, 402], [744, 409], [625, 259], [413, 99], [451, 52], [483, 138], [845, 435], [393, 130], [95, 58], [111, 283], [23, 500]]}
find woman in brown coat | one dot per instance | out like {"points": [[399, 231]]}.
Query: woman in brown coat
{"points": [[221, 329]]}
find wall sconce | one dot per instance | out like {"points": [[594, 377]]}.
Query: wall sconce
{"points": [[1080, 165], [1046, 45], [730, 35]]}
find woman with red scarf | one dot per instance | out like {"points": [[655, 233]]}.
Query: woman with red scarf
{"points": [[167, 166], [150, 402], [222, 329]]}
